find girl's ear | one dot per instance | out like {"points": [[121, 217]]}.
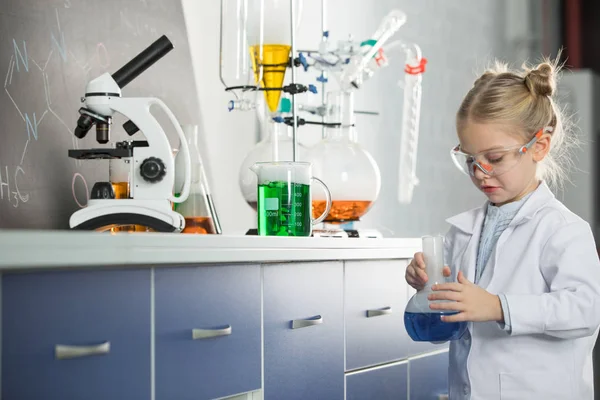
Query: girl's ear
{"points": [[541, 147]]}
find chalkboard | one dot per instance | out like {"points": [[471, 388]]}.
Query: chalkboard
{"points": [[49, 50]]}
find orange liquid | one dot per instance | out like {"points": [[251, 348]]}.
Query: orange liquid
{"points": [[199, 225], [121, 190], [341, 210]]}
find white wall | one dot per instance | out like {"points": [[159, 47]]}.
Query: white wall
{"points": [[457, 37]]}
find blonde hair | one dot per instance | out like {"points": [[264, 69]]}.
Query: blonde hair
{"points": [[524, 99]]}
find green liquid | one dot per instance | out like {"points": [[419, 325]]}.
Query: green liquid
{"points": [[284, 209]]}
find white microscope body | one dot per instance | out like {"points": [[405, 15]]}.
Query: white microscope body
{"points": [[152, 163]]}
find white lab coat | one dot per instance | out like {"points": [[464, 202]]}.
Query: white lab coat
{"points": [[547, 265]]}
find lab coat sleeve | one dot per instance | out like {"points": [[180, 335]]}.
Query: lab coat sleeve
{"points": [[571, 269], [505, 325]]}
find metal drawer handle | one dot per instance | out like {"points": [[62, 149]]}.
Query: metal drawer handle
{"points": [[209, 333], [63, 352], [303, 323], [377, 313]]}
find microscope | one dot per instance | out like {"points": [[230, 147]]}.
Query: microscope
{"points": [[151, 161]]}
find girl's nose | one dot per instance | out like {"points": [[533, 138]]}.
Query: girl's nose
{"points": [[478, 171]]}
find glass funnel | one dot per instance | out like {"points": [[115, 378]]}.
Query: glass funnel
{"points": [[276, 145], [422, 323], [270, 52], [349, 171], [199, 209]]}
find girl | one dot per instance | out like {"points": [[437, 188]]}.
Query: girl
{"points": [[525, 269]]}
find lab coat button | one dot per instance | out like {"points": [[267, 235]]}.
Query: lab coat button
{"points": [[466, 389]]}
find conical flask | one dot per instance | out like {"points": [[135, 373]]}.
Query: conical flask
{"points": [[199, 209], [422, 323]]}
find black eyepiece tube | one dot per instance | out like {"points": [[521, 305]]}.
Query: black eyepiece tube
{"points": [[142, 61]]}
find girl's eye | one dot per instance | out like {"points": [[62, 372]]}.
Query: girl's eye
{"points": [[495, 160]]}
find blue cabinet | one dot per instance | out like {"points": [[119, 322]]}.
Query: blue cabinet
{"points": [[428, 376], [100, 318], [303, 331], [208, 333], [375, 302], [381, 383]]}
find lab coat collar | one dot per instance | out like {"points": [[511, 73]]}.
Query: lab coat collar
{"points": [[469, 221]]}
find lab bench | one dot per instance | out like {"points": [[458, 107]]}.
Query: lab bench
{"points": [[159, 316]]}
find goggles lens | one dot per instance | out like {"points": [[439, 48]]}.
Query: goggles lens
{"points": [[492, 163]]}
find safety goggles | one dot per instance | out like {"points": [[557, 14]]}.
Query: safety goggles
{"points": [[493, 162]]}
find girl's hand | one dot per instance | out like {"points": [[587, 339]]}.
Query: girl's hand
{"points": [[472, 302], [415, 272]]}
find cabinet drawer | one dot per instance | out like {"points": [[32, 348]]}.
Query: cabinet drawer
{"points": [[303, 331], [220, 307], [429, 377], [375, 300], [387, 383], [107, 312]]}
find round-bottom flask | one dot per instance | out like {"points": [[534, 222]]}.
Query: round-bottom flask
{"points": [[348, 170], [422, 323], [276, 145]]}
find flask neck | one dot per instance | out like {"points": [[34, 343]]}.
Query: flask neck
{"points": [[341, 134], [340, 110]]}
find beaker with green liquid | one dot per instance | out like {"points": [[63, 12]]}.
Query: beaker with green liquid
{"points": [[284, 198]]}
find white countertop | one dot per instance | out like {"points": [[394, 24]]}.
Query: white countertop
{"points": [[21, 249]]}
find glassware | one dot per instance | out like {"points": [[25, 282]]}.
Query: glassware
{"points": [[349, 171], [422, 323], [199, 209], [276, 145], [284, 198], [235, 67]]}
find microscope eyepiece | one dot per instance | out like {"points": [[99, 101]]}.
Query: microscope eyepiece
{"points": [[142, 61]]}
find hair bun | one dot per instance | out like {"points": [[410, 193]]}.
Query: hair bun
{"points": [[541, 81]]}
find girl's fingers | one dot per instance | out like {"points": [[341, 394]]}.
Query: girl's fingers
{"points": [[460, 317], [450, 306], [455, 287], [447, 295], [419, 261]]}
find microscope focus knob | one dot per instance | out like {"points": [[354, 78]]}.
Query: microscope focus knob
{"points": [[153, 170]]}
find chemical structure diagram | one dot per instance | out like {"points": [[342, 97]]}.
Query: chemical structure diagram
{"points": [[21, 62]]}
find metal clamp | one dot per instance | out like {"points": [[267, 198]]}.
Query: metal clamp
{"points": [[209, 333], [63, 352], [303, 323], [381, 311]]}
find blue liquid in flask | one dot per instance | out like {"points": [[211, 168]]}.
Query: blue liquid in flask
{"points": [[428, 327]]}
